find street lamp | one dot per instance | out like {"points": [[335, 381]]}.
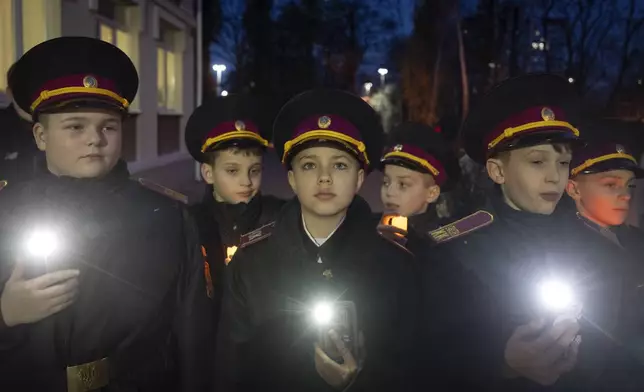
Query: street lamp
{"points": [[571, 80], [382, 72], [367, 87], [224, 93], [219, 69]]}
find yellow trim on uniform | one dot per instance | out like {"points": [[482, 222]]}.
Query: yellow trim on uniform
{"points": [[509, 132], [414, 158], [321, 133], [590, 162], [233, 135], [46, 94]]}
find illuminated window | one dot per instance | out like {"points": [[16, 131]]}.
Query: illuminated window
{"points": [[161, 73], [126, 41], [40, 21], [169, 71], [7, 40]]}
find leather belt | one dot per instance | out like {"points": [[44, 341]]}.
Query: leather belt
{"points": [[88, 376]]}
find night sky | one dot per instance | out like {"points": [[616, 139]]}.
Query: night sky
{"points": [[372, 59]]}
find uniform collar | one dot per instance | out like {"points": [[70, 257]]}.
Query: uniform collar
{"points": [[289, 224], [607, 232], [426, 221], [507, 213], [116, 178], [320, 241]]}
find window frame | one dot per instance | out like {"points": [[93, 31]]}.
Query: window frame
{"points": [[176, 46], [115, 25]]}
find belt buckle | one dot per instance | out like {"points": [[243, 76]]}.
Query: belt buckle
{"points": [[88, 376]]}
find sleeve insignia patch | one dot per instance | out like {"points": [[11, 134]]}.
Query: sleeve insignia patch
{"points": [[256, 235], [470, 223], [163, 190]]}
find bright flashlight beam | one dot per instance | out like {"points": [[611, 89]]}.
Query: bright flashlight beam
{"points": [[556, 295], [323, 313], [42, 243]]}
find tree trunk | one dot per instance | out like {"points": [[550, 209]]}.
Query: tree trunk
{"points": [[433, 115], [465, 84]]}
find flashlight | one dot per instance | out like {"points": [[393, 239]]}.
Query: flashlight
{"points": [[558, 298], [556, 295], [323, 313], [41, 243]]}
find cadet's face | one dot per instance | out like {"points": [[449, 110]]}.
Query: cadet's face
{"points": [[82, 144], [532, 178], [325, 180], [236, 176], [603, 197], [407, 191]]}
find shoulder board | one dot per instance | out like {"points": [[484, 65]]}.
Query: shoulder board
{"points": [[256, 235], [163, 190], [470, 223], [3, 184]]}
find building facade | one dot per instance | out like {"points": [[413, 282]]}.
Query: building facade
{"points": [[158, 35]]}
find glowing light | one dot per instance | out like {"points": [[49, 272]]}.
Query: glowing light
{"points": [[224, 93], [218, 67], [383, 71], [556, 295], [323, 313], [367, 87], [42, 243], [230, 252]]}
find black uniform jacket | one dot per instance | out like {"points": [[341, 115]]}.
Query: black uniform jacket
{"points": [[221, 225], [480, 286], [614, 305], [273, 284], [142, 298]]}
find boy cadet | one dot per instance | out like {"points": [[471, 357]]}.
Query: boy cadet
{"points": [[225, 136], [125, 307], [416, 165], [602, 179], [481, 289], [323, 247]]}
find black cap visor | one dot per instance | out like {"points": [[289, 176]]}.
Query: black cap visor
{"points": [[406, 163], [332, 143], [539, 138], [615, 164]]}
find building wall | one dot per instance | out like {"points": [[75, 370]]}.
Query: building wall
{"points": [[146, 25]]}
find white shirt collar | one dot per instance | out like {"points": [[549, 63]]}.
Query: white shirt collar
{"points": [[320, 241]]}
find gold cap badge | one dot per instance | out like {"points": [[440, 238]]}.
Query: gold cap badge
{"points": [[90, 81], [324, 122], [398, 148], [239, 125], [547, 114], [620, 149]]}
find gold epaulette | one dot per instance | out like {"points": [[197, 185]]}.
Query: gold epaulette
{"points": [[470, 223], [163, 190], [3, 184], [256, 235]]}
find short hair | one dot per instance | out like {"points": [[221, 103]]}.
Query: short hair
{"points": [[254, 151]]}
